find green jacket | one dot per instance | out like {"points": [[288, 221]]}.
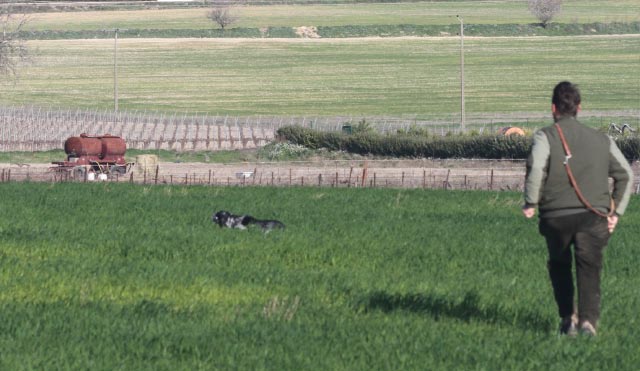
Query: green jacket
{"points": [[595, 158]]}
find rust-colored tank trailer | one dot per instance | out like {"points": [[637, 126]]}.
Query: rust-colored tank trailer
{"points": [[98, 154]]}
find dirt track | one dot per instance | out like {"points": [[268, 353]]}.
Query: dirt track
{"points": [[450, 174], [425, 173]]}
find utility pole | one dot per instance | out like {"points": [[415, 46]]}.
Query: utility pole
{"points": [[115, 66], [115, 71], [462, 118]]}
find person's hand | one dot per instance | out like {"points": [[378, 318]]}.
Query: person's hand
{"points": [[528, 211], [612, 221]]}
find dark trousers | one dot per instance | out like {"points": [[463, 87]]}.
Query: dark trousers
{"points": [[588, 234]]}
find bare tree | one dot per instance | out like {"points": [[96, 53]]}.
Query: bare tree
{"points": [[13, 49], [545, 10], [222, 15]]}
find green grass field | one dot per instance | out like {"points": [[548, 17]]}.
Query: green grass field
{"points": [[128, 277], [414, 77], [418, 13], [355, 77], [118, 276]]}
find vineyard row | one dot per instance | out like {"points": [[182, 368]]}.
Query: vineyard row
{"points": [[42, 129]]}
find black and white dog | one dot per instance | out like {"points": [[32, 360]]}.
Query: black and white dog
{"points": [[226, 219]]}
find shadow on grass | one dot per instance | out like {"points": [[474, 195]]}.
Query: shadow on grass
{"points": [[468, 309]]}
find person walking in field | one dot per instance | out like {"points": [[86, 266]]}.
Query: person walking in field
{"points": [[567, 180]]}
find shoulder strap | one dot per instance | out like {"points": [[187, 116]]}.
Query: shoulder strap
{"points": [[572, 179]]}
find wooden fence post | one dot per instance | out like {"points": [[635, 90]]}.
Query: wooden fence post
{"points": [[364, 174], [446, 181], [491, 181]]}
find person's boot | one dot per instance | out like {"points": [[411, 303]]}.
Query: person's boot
{"points": [[569, 325], [587, 329]]}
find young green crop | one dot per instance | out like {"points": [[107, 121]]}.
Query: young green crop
{"points": [[340, 77], [361, 78], [118, 276], [333, 14]]}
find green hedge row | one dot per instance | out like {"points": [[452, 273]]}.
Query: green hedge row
{"points": [[532, 29], [553, 29], [630, 147], [413, 146]]}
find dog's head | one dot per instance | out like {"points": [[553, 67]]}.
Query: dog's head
{"points": [[221, 217]]}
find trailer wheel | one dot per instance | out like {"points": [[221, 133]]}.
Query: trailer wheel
{"points": [[117, 170], [79, 172]]}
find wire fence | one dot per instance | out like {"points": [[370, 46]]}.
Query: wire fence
{"points": [[37, 129], [503, 176], [42, 129], [280, 175]]}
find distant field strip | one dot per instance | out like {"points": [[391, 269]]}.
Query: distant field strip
{"points": [[417, 13], [383, 77]]}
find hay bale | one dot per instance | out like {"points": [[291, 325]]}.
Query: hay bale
{"points": [[146, 163], [512, 130]]}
